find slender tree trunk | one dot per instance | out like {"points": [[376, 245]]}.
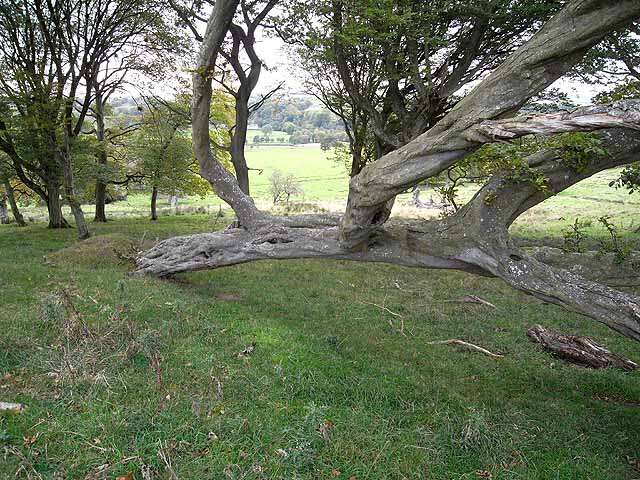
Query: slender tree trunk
{"points": [[154, 202], [54, 206], [14, 205], [70, 195], [4, 214], [238, 142], [101, 186]]}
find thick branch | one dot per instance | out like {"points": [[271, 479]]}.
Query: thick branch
{"points": [[543, 59]]}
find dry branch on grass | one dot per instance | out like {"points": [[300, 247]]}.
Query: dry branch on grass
{"points": [[472, 299], [15, 408], [579, 350], [470, 346]]}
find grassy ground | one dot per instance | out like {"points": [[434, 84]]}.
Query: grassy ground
{"points": [[120, 372]]}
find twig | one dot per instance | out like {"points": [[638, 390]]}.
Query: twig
{"points": [[166, 459], [11, 407], [383, 308], [472, 299], [468, 345]]}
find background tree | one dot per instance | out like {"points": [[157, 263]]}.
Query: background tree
{"points": [[161, 151], [390, 70], [148, 46]]}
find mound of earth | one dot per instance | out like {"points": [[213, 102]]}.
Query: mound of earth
{"points": [[101, 250]]}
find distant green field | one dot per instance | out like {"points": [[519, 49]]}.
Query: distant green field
{"points": [[320, 178], [275, 135], [324, 181]]}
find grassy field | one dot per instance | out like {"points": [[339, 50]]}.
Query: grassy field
{"points": [[325, 183], [124, 375]]}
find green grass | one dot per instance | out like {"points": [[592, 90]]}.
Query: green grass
{"points": [[392, 406]]}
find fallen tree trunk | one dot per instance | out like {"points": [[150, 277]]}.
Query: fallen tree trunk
{"points": [[578, 350]]}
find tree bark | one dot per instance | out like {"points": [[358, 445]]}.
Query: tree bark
{"points": [[4, 214], [14, 205], [579, 350], [101, 186], [70, 196], [54, 206], [550, 53], [222, 182], [475, 239], [154, 203]]}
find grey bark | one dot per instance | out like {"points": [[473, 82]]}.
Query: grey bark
{"points": [[474, 240], [4, 214], [537, 64], [222, 182], [11, 197]]}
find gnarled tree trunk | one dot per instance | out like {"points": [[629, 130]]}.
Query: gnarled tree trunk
{"points": [[476, 238]]}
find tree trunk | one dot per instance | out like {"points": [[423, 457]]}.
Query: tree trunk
{"points": [[14, 205], [4, 214], [70, 195], [475, 239], [238, 142], [101, 186], [54, 205], [154, 202]]}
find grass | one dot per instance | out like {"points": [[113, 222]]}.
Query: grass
{"points": [[121, 374]]}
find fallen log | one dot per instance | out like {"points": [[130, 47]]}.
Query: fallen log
{"points": [[581, 351]]}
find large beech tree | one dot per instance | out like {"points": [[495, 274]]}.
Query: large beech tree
{"points": [[476, 238]]}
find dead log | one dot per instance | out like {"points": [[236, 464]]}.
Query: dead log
{"points": [[579, 350]]}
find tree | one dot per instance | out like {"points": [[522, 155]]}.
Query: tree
{"points": [[145, 43], [239, 71], [6, 173], [283, 187], [390, 70], [475, 239], [161, 152]]}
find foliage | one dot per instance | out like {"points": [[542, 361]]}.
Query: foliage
{"points": [[614, 243], [623, 91], [574, 237], [161, 149], [283, 187], [629, 179]]}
